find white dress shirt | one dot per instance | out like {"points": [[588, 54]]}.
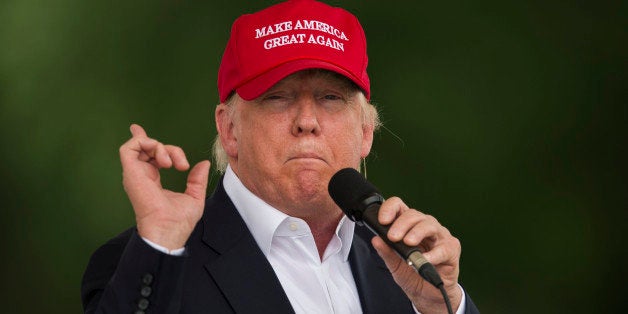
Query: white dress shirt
{"points": [[313, 284]]}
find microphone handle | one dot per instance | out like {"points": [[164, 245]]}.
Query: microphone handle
{"points": [[411, 254]]}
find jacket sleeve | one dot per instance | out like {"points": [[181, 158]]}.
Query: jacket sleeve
{"points": [[126, 275]]}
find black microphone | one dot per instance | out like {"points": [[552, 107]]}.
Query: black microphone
{"points": [[360, 201]]}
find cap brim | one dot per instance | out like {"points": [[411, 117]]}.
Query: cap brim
{"points": [[260, 84]]}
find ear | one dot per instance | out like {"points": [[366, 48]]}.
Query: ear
{"points": [[367, 139], [225, 129]]}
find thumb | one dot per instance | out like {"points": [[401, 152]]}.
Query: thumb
{"points": [[197, 180], [137, 130]]}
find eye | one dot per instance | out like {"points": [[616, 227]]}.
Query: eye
{"points": [[333, 101], [273, 97], [332, 97], [275, 102]]}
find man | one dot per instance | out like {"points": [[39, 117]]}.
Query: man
{"points": [[294, 110]]}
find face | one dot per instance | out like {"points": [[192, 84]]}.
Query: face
{"points": [[286, 144]]}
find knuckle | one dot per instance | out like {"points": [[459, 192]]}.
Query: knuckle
{"points": [[125, 146], [395, 203], [433, 229], [456, 243], [385, 208], [178, 150], [432, 219], [446, 231]]}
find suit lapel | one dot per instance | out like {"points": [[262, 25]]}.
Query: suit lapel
{"points": [[248, 282], [378, 291], [241, 270]]}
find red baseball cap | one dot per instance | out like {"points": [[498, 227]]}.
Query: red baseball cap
{"points": [[295, 35]]}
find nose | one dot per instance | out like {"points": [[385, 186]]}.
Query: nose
{"points": [[306, 120]]}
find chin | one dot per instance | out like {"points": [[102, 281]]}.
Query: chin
{"points": [[309, 183]]}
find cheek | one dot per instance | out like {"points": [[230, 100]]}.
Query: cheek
{"points": [[348, 143], [261, 140]]}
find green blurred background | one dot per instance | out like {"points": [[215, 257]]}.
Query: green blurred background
{"points": [[505, 119]]}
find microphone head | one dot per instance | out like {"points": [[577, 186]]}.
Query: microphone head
{"points": [[350, 190]]}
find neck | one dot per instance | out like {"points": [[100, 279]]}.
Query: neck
{"points": [[323, 230]]}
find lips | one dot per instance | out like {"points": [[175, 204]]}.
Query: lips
{"points": [[309, 156], [307, 151], [306, 156]]}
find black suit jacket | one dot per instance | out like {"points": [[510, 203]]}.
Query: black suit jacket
{"points": [[222, 271]]}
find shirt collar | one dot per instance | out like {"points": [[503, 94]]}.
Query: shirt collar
{"points": [[345, 232], [263, 220]]}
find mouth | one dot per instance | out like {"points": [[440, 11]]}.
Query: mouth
{"points": [[306, 157]]}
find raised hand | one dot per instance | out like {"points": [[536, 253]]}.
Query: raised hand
{"points": [[164, 217], [438, 245]]}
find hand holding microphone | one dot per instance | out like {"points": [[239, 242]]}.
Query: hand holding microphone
{"points": [[408, 232]]}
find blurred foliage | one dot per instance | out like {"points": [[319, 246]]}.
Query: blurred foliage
{"points": [[506, 120]]}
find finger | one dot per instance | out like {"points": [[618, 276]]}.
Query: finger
{"points": [[162, 157], [144, 156], [403, 224], [426, 228], [137, 130], [146, 149], [178, 157], [138, 148], [197, 180], [447, 253], [390, 209]]}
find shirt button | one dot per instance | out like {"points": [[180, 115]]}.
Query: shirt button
{"points": [[294, 226]]}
